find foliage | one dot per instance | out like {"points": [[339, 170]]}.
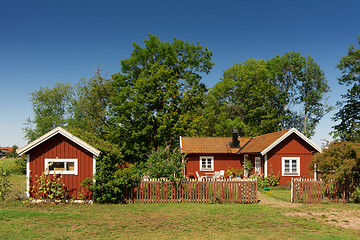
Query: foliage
{"points": [[19, 166], [243, 99], [50, 107], [234, 172], [348, 114], [12, 153], [273, 180], [5, 185], [355, 196], [164, 163], [259, 96], [270, 181], [248, 166], [89, 109], [112, 186], [339, 162], [156, 95], [50, 186], [112, 176]]}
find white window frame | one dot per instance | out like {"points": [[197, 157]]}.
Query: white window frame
{"points": [[290, 159], [65, 160], [212, 163]]}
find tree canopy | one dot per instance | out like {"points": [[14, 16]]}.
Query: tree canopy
{"points": [[348, 114], [260, 96], [156, 94]]}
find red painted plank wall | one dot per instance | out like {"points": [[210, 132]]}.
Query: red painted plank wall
{"points": [[221, 162], [293, 146], [61, 147]]}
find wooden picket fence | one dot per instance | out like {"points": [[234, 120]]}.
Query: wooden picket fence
{"points": [[317, 191], [163, 191]]}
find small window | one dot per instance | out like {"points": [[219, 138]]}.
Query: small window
{"points": [[206, 163], [291, 166], [61, 166]]}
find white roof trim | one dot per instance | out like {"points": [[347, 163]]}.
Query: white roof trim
{"points": [[57, 130], [288, 133]]}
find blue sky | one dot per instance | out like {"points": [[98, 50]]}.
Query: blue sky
{"points": [[44, 42]]}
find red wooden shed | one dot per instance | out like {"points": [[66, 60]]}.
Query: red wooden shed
{"points": [[68, 155], [285, 153]]}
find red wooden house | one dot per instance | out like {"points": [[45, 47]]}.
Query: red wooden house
{"points": [[286, 153], [59, 152]]}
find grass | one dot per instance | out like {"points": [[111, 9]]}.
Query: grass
{"points": [[162, 221], [22, 220], [7, 163], [283, 195]]}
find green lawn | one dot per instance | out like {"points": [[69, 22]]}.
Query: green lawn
{"points": [[164, 221], [22, 220]]}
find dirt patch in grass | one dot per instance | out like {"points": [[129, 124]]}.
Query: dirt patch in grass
{"points": [[340, 218], [344, 219]]}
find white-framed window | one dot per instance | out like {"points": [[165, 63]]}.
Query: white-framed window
{"points": [[206, 163], [290, 166], [257, 164], [61, 166]]}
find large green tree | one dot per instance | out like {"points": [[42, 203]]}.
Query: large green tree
{"points": [[156, 95], [243, 99], [259, 97], [348, 114], [50, 107], [89, 106]]}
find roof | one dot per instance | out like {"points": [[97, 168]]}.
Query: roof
{"points": [[5, 149], [51, 134], [210, 144], [260, 144]]}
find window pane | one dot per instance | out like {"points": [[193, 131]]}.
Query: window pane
{"points": [[70, 166], [57, 166], [293, 166], [287, 166], [203, 163], [209, 163]]}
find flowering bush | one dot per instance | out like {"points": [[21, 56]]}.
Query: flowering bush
{"points": [[5, 185], [164, 163], [269, 181], [50, 186]]}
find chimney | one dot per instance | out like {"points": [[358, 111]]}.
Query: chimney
{"points": [[235, 141]]}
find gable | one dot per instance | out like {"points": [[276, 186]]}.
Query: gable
{"points": [[265, 143], [48, 136]]}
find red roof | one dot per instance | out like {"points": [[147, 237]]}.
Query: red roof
{"points": [[260, 144], [5, 149]]}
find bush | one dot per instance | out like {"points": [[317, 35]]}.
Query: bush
{"points": [[19, 166], [164, 163], [269, 181], [5, 185], [112, 177], [234, 172], [340, 162], [50, 186]]}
